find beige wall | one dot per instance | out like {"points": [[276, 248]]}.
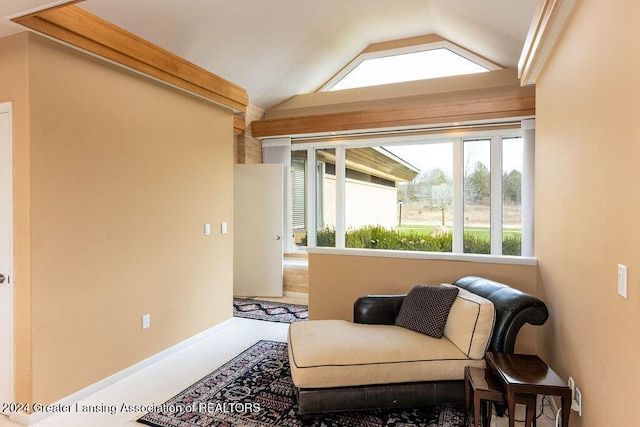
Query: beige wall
{"points": [[336, 281], [587, 204], [123, 174]]}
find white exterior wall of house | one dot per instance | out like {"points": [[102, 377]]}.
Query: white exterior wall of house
{"points": [[366, 204], [329, 201]]}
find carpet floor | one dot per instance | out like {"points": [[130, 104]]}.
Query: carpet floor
{"points": [[269, 311], [255, 390]]}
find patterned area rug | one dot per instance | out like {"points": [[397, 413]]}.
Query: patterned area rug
{"points": [[269, 311], [255, 390]]}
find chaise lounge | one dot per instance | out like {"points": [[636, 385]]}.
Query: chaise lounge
{"points": [[372, 362]]}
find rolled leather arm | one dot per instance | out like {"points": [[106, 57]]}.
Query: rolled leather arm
{"points": [[377, 309], [513, 307]]}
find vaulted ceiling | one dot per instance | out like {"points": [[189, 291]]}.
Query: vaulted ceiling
{"points": [[276, 49]]}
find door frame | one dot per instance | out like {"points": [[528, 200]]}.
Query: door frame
{"points": [[6, 153]]}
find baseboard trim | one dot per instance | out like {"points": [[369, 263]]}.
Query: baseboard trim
{"points": [[296, 294], [30, 419]]}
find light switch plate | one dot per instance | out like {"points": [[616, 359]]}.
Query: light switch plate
{"points": [[146, 321], [207, 229], [223, 228], [622, 280]]}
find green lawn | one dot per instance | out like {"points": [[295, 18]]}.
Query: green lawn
{"points": [[477, 231], [418, 238]]}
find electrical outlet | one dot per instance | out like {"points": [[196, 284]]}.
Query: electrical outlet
{"points": [[572, 385], [622, 280], [576, 396], [146, 321], [576, 405]]}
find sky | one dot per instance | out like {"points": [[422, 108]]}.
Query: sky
{"points": [[426, 64], [440, 155]]}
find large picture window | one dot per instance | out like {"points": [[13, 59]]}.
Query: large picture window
{"points": [[460, 194]]}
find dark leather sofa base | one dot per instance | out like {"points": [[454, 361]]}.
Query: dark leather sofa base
{"points": [[405, 395]]}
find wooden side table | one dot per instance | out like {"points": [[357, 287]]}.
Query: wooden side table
{"points": [[481, 385], [485, 388], [528, 374]]}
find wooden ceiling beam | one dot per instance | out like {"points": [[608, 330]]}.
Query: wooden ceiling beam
{"points": [[79, 28], [238, 124], [470, 105]]}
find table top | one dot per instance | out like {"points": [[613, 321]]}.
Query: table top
{"points": [[484, 379], [525, 370]]}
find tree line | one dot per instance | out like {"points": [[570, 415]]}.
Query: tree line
{"points": [[434, 188]]}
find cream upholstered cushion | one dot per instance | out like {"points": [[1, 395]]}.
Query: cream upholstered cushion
{"points": [[338, 353], [470, 323]]}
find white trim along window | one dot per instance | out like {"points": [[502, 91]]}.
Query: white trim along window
{"points": [[464, 192]]}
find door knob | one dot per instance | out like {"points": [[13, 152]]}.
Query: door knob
{"points": [[2, 277], [278, 237]]}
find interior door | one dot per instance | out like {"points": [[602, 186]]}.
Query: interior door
{"points": [[258, 230], [6, 256]]}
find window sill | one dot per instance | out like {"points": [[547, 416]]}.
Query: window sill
{"points": [[377, 253]]}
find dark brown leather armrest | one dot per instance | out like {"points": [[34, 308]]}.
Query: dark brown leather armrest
{"points": [[377, 309], [513, 307]]}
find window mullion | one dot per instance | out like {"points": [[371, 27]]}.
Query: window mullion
{"points": [[496, 195], [458, 202], [311, 194], [340, 198]]}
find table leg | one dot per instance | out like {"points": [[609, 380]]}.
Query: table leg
{"points": [[467, 393], [477, 404], [566, 410], [511, 404], [530, 416], [530, 403]]}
